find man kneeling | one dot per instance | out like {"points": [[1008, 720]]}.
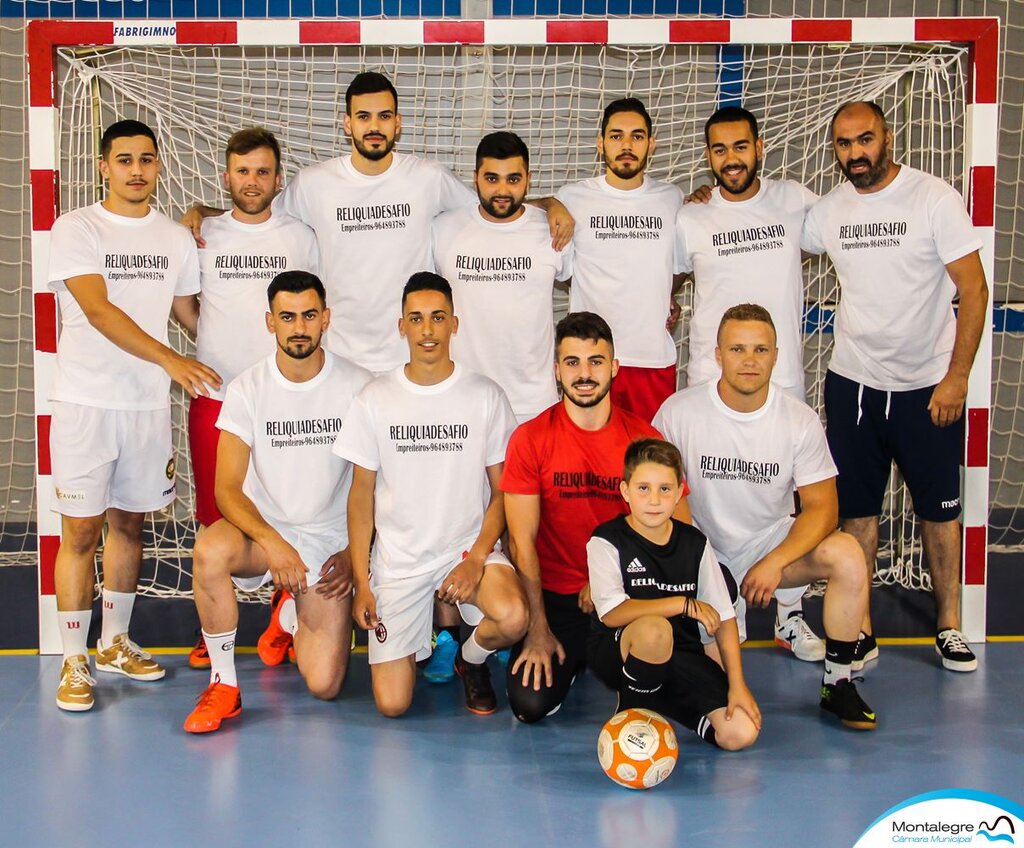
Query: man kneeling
{"points": [[653, 581], [282, 493], [428, 444]]}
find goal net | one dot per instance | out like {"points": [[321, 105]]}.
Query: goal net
{"points": [[552, 95]]}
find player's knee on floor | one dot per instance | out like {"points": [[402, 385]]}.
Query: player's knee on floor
{"points": [[529, 706], [650, 639], [323, 682], [737, 733], [392, 704]]}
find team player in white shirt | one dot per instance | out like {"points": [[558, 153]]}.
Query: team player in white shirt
{"points": [[502, 269], [244, 250], [626, 256], [903, 246], [372, 212], [428, 444], [282, 492], [743, 246], [746, 445], [119, 268]]}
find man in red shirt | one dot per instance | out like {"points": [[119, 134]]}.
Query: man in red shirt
{"points": [[561, 479]]}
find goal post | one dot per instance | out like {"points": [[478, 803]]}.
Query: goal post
{"points": [[546, 76]]}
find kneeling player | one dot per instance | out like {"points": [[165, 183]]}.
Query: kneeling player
{"points": [[428, 444], [746, 446], [282, 493], [653, 580]]}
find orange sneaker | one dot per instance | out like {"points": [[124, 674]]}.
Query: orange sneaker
{"points": [[199, 657], [275, 641], [218, 702]]}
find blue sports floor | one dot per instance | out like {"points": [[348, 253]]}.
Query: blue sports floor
{"points": [[294, 771]]}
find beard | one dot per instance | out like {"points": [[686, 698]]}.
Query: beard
{"points": [[585, 403], [625, 169], [371, 153], [252, 205], [751, 175], [513, 207], [290, 349], [872, 176]]}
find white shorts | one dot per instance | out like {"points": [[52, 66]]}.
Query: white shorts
{"points": [[121, 458], [314, 548], [405, 607], [752, 553]]}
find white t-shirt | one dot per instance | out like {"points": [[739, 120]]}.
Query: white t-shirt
{"points": [[747, 251], [625, 253], [294, 479], [502, 278], [373, 233], [430, 447], [742, 467], [146, 263], [235, 268], [894, 326]]}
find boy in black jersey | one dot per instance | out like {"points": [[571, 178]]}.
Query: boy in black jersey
{"points": [[655, 584]]}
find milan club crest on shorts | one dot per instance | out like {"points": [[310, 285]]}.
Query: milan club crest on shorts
{"points": [[169, 470], [381, 631]]}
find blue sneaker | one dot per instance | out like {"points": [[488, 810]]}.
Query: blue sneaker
{"points": [[441, 667], [502, 656]]}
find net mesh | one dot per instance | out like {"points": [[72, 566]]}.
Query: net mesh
{"points": [[552, 96]]}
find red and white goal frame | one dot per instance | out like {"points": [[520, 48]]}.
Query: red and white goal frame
{"points": [[979, 35]]}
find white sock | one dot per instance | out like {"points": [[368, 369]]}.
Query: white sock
{"points": [[472, 652], [288, 616], [74, 631], [222, 656], [117, 613], [783, 611]]}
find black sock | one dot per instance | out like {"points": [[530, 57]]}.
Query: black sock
{"points": [[706, 731], [838, 659], [641, 682]]}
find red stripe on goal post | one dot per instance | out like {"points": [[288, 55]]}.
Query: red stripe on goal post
{"points": [[977, 438], [44, 311], [453, 32], [834, 30], [983, 195], [43, 443], [975, 546], [44, 198], [577, 32], [43, 36], [48, 546], [983, 36], [699, 32], [207, 32], [329, 32]]}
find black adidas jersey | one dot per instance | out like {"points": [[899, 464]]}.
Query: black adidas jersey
{"points": [[624, 565]]}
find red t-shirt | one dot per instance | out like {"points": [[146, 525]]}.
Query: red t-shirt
{"points": [[576, 472]]}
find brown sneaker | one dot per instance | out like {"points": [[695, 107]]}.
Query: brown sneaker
{"points": [[476, 680], [127, 658], [74, 693]]}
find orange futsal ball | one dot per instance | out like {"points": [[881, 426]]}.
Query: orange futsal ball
{"points": [[637, 748]]}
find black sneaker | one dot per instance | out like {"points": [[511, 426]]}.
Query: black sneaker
{"points": [[956, 655], [865, 652], [476, 680], [845, 703]]}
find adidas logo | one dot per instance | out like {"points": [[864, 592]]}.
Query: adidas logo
{"points": [[635, 567]]}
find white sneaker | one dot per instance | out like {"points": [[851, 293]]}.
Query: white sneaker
{"points": [[795, 635]]}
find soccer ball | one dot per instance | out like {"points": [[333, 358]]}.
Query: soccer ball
{"points": [[637, 748]]}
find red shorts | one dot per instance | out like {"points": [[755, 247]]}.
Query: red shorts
{"points": [[642, 391], [203, 436]]}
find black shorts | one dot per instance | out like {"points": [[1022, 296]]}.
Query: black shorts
{"points": [[869, 429], [694, 686]]}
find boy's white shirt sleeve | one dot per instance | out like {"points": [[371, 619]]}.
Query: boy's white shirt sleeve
{"points": [[606, 588]]}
